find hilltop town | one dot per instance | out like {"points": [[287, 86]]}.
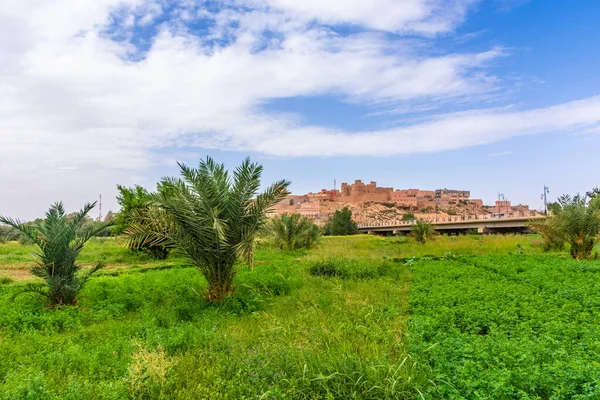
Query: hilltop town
{"points": [[374, 204]]}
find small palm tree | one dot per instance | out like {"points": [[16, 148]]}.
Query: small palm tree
{"points": [[212, 218], [422, 232], [293, 231], [575, 221], [59, 245]]}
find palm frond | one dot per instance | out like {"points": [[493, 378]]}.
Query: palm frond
{"points": [[58, 248]]}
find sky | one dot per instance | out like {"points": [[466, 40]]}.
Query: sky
{"points": [[492, 96]]}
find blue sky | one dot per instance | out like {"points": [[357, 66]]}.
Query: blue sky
{"points": [[491, 96]]}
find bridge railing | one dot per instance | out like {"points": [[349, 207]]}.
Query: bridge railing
{"points": [[454, 218]]}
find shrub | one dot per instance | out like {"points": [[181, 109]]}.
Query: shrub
{"points": [[5, 280], [294, 232], [352, 269], [575, 221], [341, 223], [422, 232], [148, 372], [408, 216]]}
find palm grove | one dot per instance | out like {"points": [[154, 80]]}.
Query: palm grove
{"points": [[214, 217], [209, 214]]}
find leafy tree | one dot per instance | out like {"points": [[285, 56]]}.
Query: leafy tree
{"points": [[422, 232], [129, 199], [136, 205], [8, 233], [59, 246], [574, 220], [341, 223], [293, 231], [408, 216], [212, 218]]}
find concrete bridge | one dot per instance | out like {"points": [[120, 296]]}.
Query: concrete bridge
{"points": [[459, 225]]}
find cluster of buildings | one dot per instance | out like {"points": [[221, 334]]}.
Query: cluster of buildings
{"points": [[359, 195]]}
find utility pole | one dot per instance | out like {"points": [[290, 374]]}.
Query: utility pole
{"points": [[100, 209], [544, 197]]}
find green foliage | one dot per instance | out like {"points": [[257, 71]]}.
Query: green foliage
{"points": [[212, 218], [293, 231], [352, 269], [129, 199], [102, 228], [8, 234], [408, 216], [592, 194], [551, 240], [136, 206], [422, 232], [575, 221], [59, 244], [285, 334], [341, 223], [507, 327], [5, 280], [479, 326]]}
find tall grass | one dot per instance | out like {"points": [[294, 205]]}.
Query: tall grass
{"points": [[287, 333], [147, 333]]}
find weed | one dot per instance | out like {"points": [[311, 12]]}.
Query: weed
{"points": [[148, 372]]}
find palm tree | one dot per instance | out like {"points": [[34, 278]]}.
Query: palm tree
{"points": [[294, 232], [422, 231], [59, 245], [574, 220], [212, 218]]}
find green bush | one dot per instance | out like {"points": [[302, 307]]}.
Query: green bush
{"points": [[341, 223], [352, 269], [574, 220]]}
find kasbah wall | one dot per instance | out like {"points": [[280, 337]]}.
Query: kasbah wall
{"points": [[371, 203]]}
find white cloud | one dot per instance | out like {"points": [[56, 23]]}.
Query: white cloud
{"points": [[76, 93], [408, 16]]}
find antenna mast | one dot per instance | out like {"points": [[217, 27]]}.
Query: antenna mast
{"points": [[100, 209]]}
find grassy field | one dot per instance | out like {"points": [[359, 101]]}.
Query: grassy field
{"points": [[360, 318]]}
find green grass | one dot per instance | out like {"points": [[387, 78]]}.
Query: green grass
{"points": [[508, 327], [286, 334], [16, 259], [355, 318]]}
